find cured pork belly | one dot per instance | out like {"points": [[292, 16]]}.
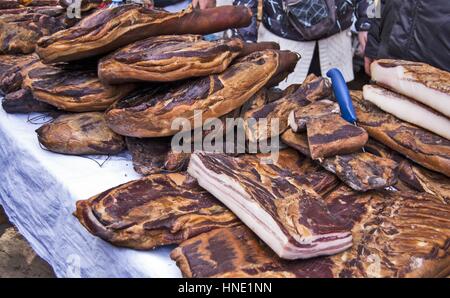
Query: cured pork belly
{"points": [[419, 81], [19, 33], [155, 155], [52, 11], [384, 245], [296, 164], [362, 171], [151, 114], [172, 57], [423, 180], [331, 135], [281, 208], [311, 90], [299, 117], [13, 68], [9, 4], [424, 147], [168, 58], [73, 88], [82, 133], [408, 110], [109, 29], [156, 210], [22, 101]]}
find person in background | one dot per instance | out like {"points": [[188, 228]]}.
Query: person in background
{"points": [[308, 27], [414, 30]]}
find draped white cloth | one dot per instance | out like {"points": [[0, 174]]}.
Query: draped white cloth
{"points": [[38, 190]]}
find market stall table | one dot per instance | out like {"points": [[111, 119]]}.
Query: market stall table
{"points": [[38, 191]]}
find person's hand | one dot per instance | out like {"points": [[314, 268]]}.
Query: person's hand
{"points": [[362, 38], [367, 63], [202, 4]]}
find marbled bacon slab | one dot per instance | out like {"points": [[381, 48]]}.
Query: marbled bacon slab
{"points": [[362, 171], [281, 208], [383, 245], [150, 113], [425, 148], [109, 29], [156, 210], [81, 133]]}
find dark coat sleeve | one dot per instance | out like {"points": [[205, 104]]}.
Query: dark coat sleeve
{"points": [[250, 33], [362, 21], [373, 39]]}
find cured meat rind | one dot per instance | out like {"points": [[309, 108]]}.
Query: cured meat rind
{"points": [[331, 135], [82, 133], [384, 245], [109, 29], [408, 110], [156, 210], [284, 211], [421, 146], [419, 81], [168, 58], [75, 90], [151, 113], [361, 171]]}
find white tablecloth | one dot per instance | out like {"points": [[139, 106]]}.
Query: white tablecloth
{"points": [[38, 190]]}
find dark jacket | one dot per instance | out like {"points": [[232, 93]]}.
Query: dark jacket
{"points": [[274, 18], [415, 30]]}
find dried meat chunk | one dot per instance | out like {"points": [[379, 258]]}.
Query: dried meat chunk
{"points": [[172, 58], [19, 33], [82, 133], [362, 171], [423, 147], [298, 117], [156, 210], [75, 89], [22, 101], [109, 29], [282, 209], [312, 89], [151, 114], [383, 245], [419, 81], [331, 135]]}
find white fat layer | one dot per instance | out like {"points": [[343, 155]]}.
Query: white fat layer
{"points": [[291, 121], [408, 110], [394, 78], [233, 195]]}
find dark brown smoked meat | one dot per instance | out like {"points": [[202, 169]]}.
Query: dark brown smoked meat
{"points": [[383, 245], [109, 29], [156, 210], [283, 210]]}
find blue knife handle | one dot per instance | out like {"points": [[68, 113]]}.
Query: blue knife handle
{"points": [[342, 95]]}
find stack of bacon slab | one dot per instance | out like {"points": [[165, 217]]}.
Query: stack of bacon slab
{"points": [[384, 246], [336, 204], [318, 131], [416, 92], [422, 146]]}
